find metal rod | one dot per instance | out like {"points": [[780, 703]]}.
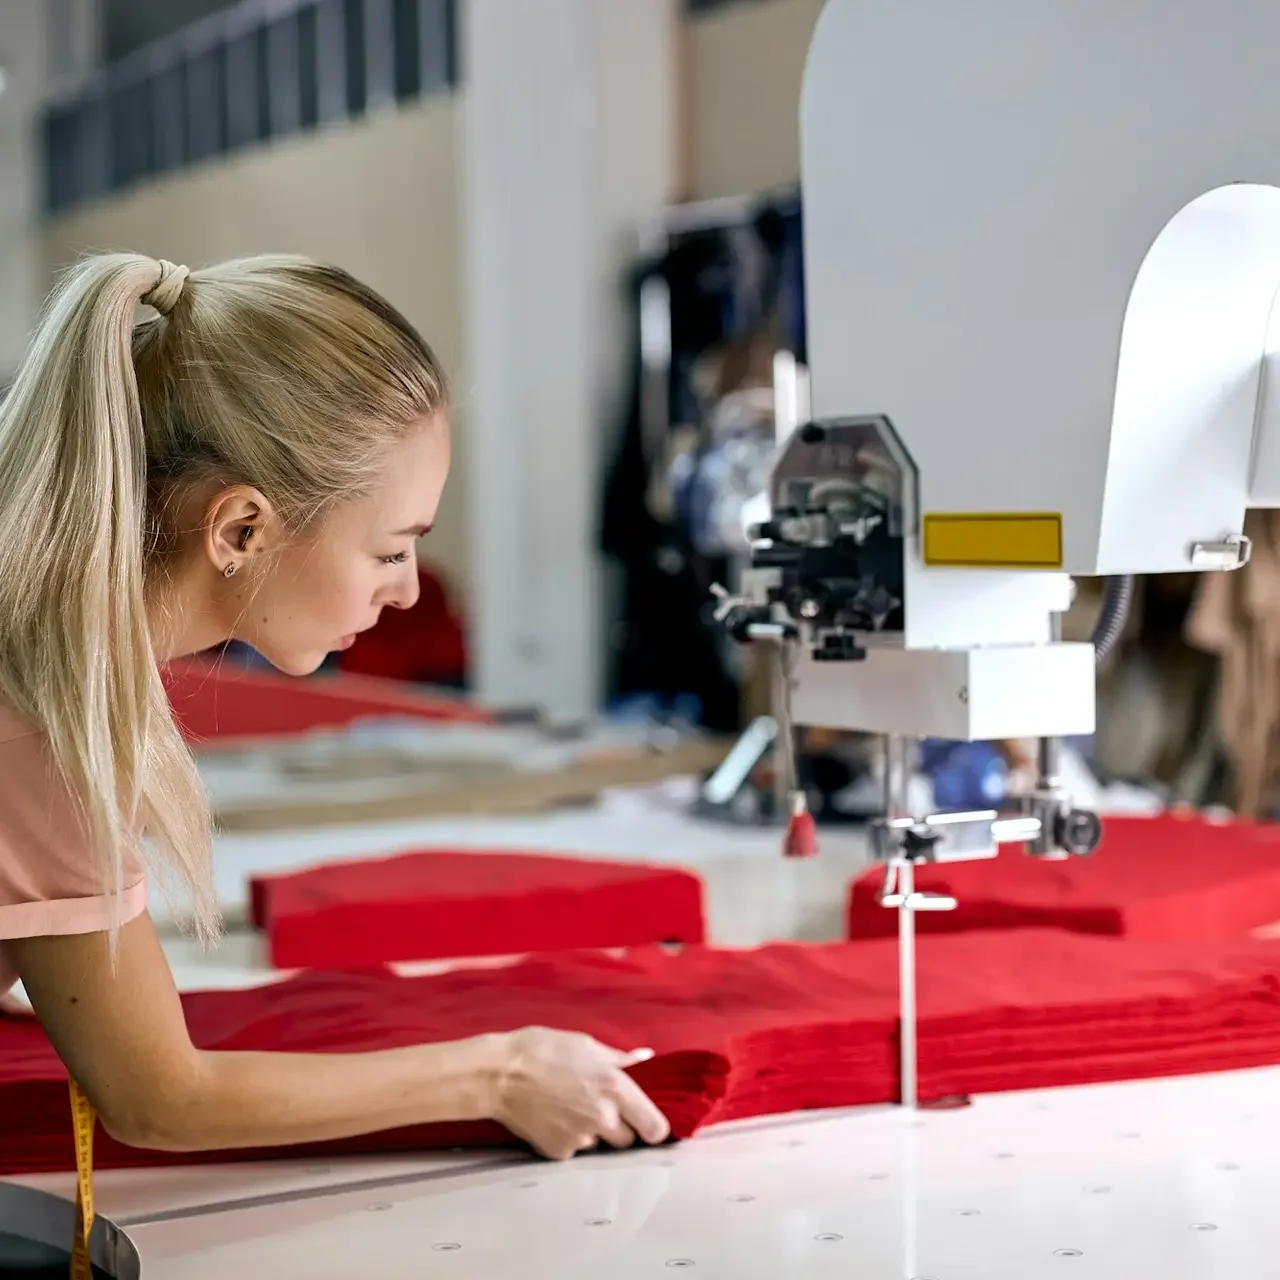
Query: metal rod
{"points": [[911, 1202], [1048, 750], [907, 984], [897, 778], [897, 803], [1048, 762], [786, 776]]}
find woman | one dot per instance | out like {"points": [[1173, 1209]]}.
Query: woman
{"points": [[253, 462]]}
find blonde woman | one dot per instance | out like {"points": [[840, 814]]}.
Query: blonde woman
{"points": [[252, 460]]}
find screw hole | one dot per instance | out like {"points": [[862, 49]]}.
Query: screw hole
{"points": [[828, 1237], [1203, 1226], [597, 1222], [445, 1248], [1068, 1253]]}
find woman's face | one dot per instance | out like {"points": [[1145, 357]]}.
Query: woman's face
{"points": [[312, 595]]}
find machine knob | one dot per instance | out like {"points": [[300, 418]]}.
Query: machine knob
{"points": [[1079, 831], [918, 842]]}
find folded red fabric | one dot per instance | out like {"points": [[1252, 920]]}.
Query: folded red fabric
{"points": [[433, 905], [1171, 876], [738, 1034], [222, 700]]}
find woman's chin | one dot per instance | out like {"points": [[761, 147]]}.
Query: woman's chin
{"points": [[297, 664]]}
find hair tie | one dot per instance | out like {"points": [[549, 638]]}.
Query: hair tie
{"points": [[165, 293]]}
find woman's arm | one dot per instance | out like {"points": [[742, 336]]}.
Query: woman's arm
{"points": [[124, 1039]]}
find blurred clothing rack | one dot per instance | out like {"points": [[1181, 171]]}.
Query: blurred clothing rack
{"points": [[717, 282]]}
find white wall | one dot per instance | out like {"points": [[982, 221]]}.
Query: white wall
{"points": [[23, 60], [568, 148]]}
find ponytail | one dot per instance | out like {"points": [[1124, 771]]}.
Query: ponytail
{"points": [[75, 647]]}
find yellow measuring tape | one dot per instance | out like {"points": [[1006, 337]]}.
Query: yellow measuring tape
{"points": [[83, 1121]]}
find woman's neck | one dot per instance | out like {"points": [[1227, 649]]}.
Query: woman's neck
{"points": [[183, 618]]}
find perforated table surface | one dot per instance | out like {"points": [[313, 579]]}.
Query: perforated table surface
{"points": [[1177, 1179]]}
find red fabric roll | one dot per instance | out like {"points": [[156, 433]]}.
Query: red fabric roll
{"points": [[214, 700], [1164, 877], [742, 1034], [434, 905]]}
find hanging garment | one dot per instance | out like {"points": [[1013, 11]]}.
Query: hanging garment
{"points": [[1237, 616]]}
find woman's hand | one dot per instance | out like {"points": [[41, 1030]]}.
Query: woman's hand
{"points": [[563, 1093]]}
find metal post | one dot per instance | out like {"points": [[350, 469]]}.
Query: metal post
{"points": [[786, 767], [907, 984], [897, 783], [1048, 750]]}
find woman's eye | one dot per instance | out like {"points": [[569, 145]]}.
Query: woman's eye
{"points": [[400, 557]]}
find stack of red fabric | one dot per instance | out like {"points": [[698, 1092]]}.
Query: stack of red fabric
{"points": [[435, 905], [1168, 877], [742, 1034], [213, 699]]}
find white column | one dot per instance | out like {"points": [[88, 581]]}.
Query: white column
{"points": [[23, 65], [568, 145], [43, 44]]}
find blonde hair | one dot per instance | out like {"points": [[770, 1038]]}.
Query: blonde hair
{"points": [[271, 371]]}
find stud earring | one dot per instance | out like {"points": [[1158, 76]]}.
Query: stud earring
{"points": [[229, 571]]}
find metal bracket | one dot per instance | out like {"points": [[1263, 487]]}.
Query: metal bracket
{"points": [[1231, 552], [902, 843]]}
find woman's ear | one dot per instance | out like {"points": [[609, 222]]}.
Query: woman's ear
{"points": [[239, 524]]}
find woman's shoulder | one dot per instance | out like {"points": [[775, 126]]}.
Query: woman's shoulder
{"points": [[14, 726]]}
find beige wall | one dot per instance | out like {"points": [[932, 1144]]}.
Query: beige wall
{"points": [[744, 67], [378, 197]]}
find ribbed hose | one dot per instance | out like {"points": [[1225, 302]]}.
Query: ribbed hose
{"points": [[1117, 593]]}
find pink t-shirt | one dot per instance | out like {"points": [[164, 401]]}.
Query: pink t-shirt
{"points": [[49, 880]]}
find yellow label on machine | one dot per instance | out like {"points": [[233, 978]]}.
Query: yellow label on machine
{"points": [[999, 540], [83, 1120]]}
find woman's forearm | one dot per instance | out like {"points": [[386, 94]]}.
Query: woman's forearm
{"points": [[234, 1100], [118, 1025]]}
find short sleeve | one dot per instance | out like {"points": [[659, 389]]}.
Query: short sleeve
{"points": [[49, 878]]}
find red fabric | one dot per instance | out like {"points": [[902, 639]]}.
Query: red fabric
{"points": [[222, 700], [426, 906], [1165, 877], [426, 643], [742, 1034]]}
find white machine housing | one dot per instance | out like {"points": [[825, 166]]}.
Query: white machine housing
{"points": [[1043, 240]]}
